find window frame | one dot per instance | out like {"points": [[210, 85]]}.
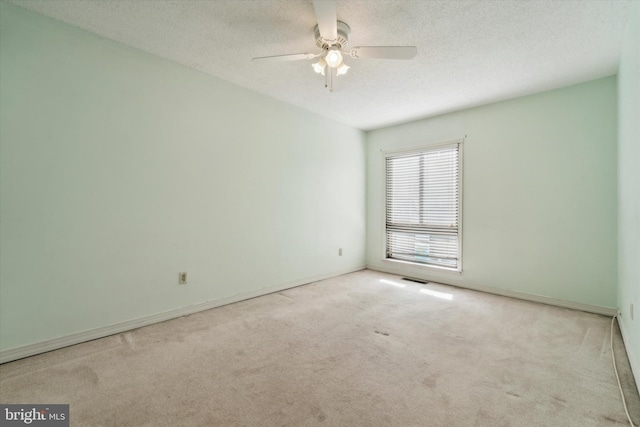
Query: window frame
{"points": [[420, 149]]}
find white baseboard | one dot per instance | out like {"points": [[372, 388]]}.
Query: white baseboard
{"points": [[65, 341], [633, 360], [607, 311]]}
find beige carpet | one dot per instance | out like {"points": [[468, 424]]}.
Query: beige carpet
{"points": [[364, 349]]}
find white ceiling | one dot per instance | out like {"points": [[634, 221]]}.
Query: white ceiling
{"points": [[469, 52]]}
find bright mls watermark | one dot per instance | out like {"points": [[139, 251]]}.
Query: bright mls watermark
{"points": [[34, 415]]}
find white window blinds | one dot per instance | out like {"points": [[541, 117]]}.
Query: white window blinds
{"points": [[422, 206]]}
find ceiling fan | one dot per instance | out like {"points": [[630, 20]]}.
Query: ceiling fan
{"points": [[332, 37]]}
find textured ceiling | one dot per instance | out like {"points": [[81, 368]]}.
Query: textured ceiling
{"points": [[469, 52]]}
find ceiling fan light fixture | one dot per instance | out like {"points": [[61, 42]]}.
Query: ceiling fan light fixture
{"points": [[342, 69], [319, 66], [333, 58], [332, 38]]}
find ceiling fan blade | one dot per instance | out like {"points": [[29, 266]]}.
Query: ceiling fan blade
{"points": [[327, 18], [285, 58], [383, 52]]}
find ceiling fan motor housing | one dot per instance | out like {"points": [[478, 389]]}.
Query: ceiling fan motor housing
{"points": [[340, 42]]}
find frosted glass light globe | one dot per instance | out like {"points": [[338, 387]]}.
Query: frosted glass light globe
{"points": [[333, 58]]}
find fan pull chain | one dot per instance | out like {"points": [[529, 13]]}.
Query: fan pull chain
{"points": [[331, 80]]}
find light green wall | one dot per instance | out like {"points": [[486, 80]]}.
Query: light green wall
{"points": [[120, 169], [539, 193], [629, 188]]}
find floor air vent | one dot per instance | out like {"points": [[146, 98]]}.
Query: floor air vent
{"points": [[409, 279]]}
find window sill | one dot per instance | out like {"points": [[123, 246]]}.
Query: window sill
{"points": [[433, 268]]}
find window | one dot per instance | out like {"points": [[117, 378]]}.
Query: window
{"points": [[423, 205]]}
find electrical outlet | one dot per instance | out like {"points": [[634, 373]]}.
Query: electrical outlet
{"points": [[182, 278], [339, 251]]}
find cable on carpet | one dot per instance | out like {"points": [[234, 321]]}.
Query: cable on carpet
{"points": [[615, 369]]}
